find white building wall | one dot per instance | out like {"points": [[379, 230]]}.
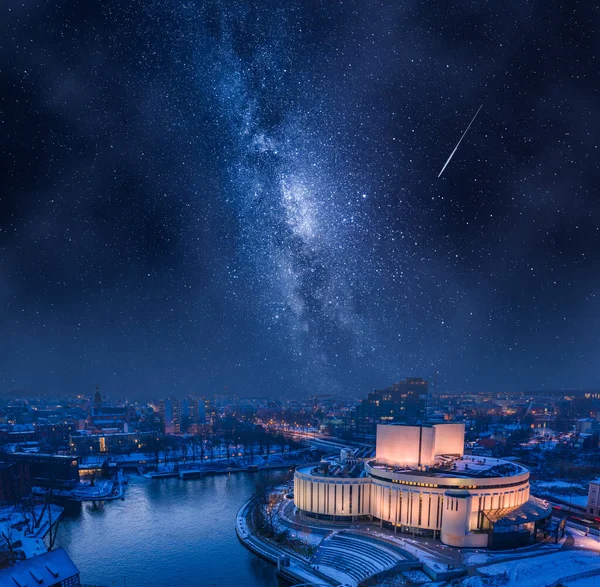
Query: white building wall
{"points": [[593, 502], [398, 445], [413, 499], [331, 496], [427, 456], [456, 525], [405, 445], [449, 439]]}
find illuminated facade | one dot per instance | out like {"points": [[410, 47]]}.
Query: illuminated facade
{"points": [[421, 482], [402, 401]]}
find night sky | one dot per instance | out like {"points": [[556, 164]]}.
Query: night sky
{"points": [[197, 194]]}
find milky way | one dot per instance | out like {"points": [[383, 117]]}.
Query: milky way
{"points": [[202, 194]]}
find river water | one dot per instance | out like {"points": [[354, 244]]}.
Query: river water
{"points": [[167, 532]]}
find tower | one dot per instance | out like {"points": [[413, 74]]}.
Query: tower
{"points": [[97, 397]]}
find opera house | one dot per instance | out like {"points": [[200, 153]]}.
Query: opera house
{"points": [[421, 482]]}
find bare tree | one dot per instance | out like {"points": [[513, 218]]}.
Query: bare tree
{"points": [[228, 438], [202, 448], [217, 444], [7, 535]]}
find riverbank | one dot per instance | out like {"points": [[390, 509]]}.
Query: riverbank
{"points": [[236, 465], [295, 569], [100, 490], [338, 556]]}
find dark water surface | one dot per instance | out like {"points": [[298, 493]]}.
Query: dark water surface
{"points": [[166, 532]]}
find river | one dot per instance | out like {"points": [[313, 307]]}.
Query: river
{"points": [[167, 532]]}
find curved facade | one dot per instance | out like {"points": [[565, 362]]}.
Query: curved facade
{"points": [[452, 497], [331, 496]]}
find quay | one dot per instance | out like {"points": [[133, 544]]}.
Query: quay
{"points": [[219, 468], [296, 571]]}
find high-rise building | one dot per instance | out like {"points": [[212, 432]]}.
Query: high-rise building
{"points": [[197, 411], [165, 409], [178, 414], [403, 401]]}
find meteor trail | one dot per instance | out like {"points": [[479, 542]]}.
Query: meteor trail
{"points": [[461, 138]]}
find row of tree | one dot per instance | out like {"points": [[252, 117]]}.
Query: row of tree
{"points": [[249, 443]]}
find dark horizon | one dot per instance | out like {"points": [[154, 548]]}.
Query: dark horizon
{"points": [[206, 194]]}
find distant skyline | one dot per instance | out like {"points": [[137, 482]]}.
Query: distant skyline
{"points": [[204, 194]]}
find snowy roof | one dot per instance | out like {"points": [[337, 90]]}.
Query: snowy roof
{"points": [[57, 457], [45, 569], [468, 466]]}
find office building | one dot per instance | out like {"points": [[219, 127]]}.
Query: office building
{"points": [[403, 401]]}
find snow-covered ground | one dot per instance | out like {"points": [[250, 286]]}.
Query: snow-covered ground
{"points": [[558, 485], [417, 577], [584, 582], [541, 571], [14, 524], [432, 560], [479, 558], [573, 493], [306, 535], [579, 500], [583, 540]]}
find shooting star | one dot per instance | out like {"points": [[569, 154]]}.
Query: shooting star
{"points": [[461, 138]]}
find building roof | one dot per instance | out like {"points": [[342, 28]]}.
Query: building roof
{"points": [[468, 467], [46, 455], [531, 511], [44, 569]]}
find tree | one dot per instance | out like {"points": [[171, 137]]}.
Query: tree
{"points": [[217, 444], [7, 535], [228, 438], [260, 438], [268, 443], [155, 445], [245, 440], [265, 510], [202, 448], [182, 450]]}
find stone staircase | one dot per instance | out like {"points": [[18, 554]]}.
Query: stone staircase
{"points": [[358, 557]]}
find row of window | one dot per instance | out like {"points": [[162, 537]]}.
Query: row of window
{"points": [[482, 487], [355, 499]]}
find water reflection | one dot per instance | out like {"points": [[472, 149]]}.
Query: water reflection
{"points": [[166, 532]]}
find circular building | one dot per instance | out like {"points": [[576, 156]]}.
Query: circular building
{"points": [[421, 482]]}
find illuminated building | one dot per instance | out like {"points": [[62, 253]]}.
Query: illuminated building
{"points": [[105, 417], [87, 444], [402, 401], [421, 482], [178, 414]]}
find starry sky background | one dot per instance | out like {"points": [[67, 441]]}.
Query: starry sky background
{"points": [[205, 193]]}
